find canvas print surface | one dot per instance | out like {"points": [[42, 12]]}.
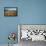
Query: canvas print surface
{"points": [[33, 32]]}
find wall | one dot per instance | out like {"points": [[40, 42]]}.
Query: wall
{"points": [[34, 12], [29, 12]]}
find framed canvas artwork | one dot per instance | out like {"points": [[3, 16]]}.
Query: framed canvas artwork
{"points": [[32, 32], [10, 11]]}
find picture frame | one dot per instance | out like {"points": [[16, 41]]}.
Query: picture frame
{"points": [[10, 11], [33, 31]]}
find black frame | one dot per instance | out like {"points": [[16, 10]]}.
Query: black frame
{"points": [[11, 7]]}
